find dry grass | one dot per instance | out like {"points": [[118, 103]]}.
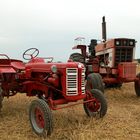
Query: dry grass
{"points": [[121, 122]]}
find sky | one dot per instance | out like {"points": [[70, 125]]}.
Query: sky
{"points": [[52, 25]]}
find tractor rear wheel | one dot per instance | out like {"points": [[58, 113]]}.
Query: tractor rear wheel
{"points": [[94, 81], [40, 117], [1, 98], [77, 57], [98, 107], [137, 85]]}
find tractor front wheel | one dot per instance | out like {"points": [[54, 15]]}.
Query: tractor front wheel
{"points": [[137, 85], [40, 117], [98, 107]]}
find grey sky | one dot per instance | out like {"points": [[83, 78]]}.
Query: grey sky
{"points": [[52, 25]]}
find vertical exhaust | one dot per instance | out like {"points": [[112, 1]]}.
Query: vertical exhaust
{"points": [[103, 29]]}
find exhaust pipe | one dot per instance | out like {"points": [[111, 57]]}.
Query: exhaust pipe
{"points": [[103, 29]]}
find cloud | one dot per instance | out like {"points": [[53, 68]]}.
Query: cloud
{"points": [[53, 25]]}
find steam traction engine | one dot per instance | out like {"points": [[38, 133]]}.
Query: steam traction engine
{"points": [[112, 59], [53, 83]]}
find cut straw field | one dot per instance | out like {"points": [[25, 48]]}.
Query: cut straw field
{"points": [[122, 121]]}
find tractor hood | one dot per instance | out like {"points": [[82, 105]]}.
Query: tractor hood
{"points": [[46, 67]]}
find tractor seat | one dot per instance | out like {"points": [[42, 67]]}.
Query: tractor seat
{"points": [[18, 65]]}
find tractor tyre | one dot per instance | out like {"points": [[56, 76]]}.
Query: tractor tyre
{"points": [[94, 81], [98, 107], [1, 98], [40, 117], [77, 57], [137, 85]]}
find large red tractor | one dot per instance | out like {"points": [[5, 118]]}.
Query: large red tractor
{"points": [[112, 59], [52, 83]]}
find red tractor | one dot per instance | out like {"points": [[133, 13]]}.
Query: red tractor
{"points": [[112, 59], [52, 83]]}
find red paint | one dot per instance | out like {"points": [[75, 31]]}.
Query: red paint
{"points": [[39, 117], [121, 68], [36, 78]]}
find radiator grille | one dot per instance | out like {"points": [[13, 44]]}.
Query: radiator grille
{"points": [[123, 55], [83, 81], [72, 81]]}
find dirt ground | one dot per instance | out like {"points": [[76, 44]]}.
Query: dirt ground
{"points": [[122, 121]]}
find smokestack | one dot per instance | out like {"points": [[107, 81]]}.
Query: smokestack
{"points": [[103, 29]]}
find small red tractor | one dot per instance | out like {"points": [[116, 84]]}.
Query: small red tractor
{"points": [[53, 84], [112, 59]]}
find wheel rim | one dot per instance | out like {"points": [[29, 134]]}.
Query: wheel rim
{"points": [[94, 106], [37, 119]]}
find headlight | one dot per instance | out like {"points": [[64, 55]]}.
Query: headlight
{"points": [[131, 43], [54, 68], [117, 43]]}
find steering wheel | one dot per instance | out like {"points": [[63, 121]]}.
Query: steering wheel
{"points": [[30, 53]]}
